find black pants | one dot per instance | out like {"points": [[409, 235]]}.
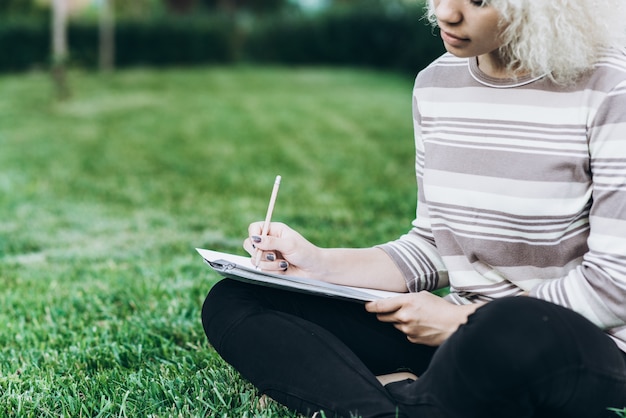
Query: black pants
{"points": [[516, 357]]}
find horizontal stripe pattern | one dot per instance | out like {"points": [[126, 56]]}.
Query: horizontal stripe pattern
{"points": [[521, 188]]}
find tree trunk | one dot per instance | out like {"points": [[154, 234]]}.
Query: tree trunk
{"points": [[59, 48], [106, 36]]}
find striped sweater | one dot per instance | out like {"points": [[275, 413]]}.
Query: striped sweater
{"points": [[521, 187]]}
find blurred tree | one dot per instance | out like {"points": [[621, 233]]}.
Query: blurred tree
{"points": [[233, 6], [59, 48], [17, 6], [106, 36], [383, 3], [357, 2], [139, 9], [23, 8], [180, 6]]}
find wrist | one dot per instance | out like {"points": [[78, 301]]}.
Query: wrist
{"points": [[323, 263]]}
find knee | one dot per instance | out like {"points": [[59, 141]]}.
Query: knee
{"points": [[210, 309], [514, 338], [213, 301], [223, 307], [514, 320]]}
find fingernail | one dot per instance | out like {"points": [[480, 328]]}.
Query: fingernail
{"points": [[256, 238], [283, 265], [270, 257]]}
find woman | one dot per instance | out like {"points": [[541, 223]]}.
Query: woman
{"points": [[520, 134]]}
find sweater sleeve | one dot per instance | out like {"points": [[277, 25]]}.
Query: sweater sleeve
{"points": [[597, 288], [415, 253]]}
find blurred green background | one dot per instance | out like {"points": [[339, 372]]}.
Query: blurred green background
{"points": [[384, 34], [157, 127]]}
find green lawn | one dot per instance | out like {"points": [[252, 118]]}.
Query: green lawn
{"points": [[104, 197]]}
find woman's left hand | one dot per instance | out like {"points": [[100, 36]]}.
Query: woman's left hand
{"points": [[424, 317]]}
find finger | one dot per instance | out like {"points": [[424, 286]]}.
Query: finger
{"points": [[278, 266], [269, 256], [252, 249], [274, 228], [271, 243], [249, 246], [386, 318], [277, 229], [255, 228], [384, 305]]}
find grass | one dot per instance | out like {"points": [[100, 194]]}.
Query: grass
{"points": [[103, 198]]}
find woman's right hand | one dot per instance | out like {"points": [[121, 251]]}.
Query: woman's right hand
{"points": [[284, 251]]}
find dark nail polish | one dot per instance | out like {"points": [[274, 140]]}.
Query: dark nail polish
{"points": [[270, 257], [283, 265], [256, 238]]}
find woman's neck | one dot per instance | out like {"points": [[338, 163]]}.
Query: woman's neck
{"points": [[494, 66]]}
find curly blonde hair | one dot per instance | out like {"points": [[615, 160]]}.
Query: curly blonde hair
{"points": [[561, 38]]}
